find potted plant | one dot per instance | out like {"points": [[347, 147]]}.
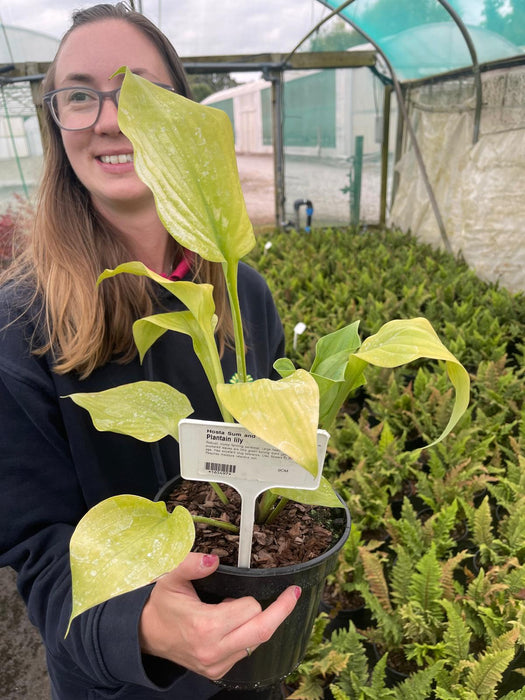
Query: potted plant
{"points": [[184, 152], [339, 668], [342, 598]]}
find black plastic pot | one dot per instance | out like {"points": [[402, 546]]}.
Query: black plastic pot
{"points": [[273, 661], [361, 618], [392, 675]]}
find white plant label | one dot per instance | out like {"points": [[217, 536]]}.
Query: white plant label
{"points": [[229, 454]]}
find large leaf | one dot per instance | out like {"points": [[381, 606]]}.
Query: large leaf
{"points": [[144, 410], [323, 495], [147, 330], [401, 341], [185, 153], [198, 298], [123, 543], [283, 413], [333, 393], [198, 322], [333, 373]]}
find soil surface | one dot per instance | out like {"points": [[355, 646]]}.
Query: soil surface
{"points": [[299, 533]]}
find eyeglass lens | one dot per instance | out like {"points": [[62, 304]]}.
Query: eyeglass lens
{"points": [[78, 108]]}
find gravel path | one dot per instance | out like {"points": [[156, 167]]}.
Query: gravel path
{"points": [[313, 179]]}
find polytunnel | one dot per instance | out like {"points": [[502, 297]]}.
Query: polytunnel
{"points": [[416, 122], [428, 138], [458, 73]]}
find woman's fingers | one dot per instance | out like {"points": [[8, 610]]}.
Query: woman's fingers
{"points": [[193, 567], [260, 627], [207, 639], [243, 626]]}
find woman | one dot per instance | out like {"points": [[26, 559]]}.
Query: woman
{"points": [[58, 337]]}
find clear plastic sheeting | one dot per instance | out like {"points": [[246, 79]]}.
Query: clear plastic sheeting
{"points": [[479, 188]]}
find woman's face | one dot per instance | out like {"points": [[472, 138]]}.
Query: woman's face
{"points": [[88, 57]]}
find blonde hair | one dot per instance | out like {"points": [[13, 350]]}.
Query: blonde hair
{"points": [[70, 244]]}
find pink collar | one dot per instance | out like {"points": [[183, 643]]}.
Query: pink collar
{"points": [[182, 269]]}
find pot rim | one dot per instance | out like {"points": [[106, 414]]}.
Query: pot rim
{"points": [[279, 570]]}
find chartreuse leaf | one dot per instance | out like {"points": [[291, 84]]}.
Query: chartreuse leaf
{"points": [[123, 543], [184, 152], [198, 298], [199, 321], [401, 341], [284, 366], [333, 393], [336, 371], [147, 330], [332, 351], [323, 495], [145, 410], [283, 413]]}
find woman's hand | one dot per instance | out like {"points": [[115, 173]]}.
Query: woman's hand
{"points": [[207, 639]]}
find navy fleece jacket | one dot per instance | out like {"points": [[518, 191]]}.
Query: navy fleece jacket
{"points": [[54, 466]]}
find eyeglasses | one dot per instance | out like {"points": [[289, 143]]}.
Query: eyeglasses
{"points": [[78, 108]]}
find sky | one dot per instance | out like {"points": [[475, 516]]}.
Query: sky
{"points": [[195, 27]]}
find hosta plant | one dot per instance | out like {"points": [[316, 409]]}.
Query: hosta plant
{"points": [[184, 152]]}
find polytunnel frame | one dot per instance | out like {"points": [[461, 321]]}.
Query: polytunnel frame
{"points": [[273, 66], [400, 98]]}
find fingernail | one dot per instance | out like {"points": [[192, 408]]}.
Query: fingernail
{"points": [[209, 559], [297, 592]]}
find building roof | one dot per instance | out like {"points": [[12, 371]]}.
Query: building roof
{"points": [[18, 45]]}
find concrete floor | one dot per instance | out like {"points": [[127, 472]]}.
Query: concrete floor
{"points": [[23, 673]]}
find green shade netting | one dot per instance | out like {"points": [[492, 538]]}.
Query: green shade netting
{"points": [[420, 38]]}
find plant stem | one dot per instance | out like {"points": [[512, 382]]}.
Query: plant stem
{"points": [[220, 493], [230, 275], [216, 523], [275, 512], [265, 506], [211, 363]]}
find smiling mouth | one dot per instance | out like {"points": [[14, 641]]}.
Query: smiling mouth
{"points": [[115, 160]]}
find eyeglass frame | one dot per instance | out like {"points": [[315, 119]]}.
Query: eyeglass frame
{"points": [[101, 95]]}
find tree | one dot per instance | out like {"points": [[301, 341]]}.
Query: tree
{"points": [[203, 85], [336, 36]]}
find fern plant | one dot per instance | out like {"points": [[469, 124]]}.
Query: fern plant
{"points": [[407, 601], [343, 656], [473, 677], [343, 586], [416, 534], [485, 325], [498, 539], [494, 601], [508, 489], [368, 467]]}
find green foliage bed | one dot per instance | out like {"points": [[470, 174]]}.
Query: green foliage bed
{"points": [[438, 542]]}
